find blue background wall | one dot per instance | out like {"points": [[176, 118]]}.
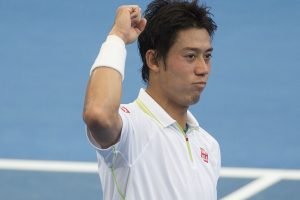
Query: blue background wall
{"points": [[251, 104]]}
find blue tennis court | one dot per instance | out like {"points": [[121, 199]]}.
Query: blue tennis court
{"points": [[251, 104]]}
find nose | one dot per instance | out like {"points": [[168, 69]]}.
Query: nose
{"points": [[202, 67]]}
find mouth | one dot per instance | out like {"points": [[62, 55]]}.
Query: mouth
{"points": [[200, 84]]}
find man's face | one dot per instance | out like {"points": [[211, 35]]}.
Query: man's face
{"points": [[187, 67]]}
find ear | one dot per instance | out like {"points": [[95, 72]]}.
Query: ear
{"points": [[152, 60]]}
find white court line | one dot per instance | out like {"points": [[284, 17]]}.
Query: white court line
{"points": [[287, 174], [50, 166], [91, 167], [252, 188], [264, 178]]}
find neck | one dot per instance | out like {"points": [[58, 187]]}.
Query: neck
{"points": [[177, 112]]}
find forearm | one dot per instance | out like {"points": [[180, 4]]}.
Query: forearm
{"points": [[102, 102], [104, 90]]}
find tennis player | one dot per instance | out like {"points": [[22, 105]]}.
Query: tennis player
{"points": [[154, 148]]}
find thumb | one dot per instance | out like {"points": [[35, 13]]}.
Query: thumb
{"points": [[141, 25]]}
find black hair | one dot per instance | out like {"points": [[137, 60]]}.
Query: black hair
{"points": [[165, 18]]}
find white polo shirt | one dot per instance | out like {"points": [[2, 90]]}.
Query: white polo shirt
{"points": [[154, 160]]}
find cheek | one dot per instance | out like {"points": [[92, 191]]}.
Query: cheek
{"points": [[178, 72], [179, 68], [179, 81], [183, 74]]}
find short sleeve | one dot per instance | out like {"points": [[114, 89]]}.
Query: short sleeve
{"points": [[119, 148]]}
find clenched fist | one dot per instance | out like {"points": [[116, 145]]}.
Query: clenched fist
{"points": [[128, 23]]}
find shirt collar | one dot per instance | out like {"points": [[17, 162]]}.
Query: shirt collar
{"points": [[191, 121], [164, 118]]}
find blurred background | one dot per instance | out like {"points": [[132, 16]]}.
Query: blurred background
{"points": [[251, 104]]}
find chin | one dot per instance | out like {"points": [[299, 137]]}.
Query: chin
{"points": [[195, 99]]}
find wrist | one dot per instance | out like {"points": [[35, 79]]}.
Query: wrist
{"points": [[118, 34], [112, 54]]}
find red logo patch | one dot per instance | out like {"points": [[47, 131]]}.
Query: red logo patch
{"points": [[124, 109], [204, 155]]}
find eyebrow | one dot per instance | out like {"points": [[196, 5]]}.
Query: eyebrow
{"points": [[197, 49]]}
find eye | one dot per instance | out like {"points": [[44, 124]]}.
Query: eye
{"points": [[190, 57], [207, 57]]}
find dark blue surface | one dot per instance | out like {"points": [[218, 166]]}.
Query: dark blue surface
{"points": [[227, 185], [282, 190], [28, 185]]}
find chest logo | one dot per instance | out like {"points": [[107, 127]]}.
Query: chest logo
{"points": [[124, 109], [204, 155]]}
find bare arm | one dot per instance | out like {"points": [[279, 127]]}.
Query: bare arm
{"points": [[103, 94]]}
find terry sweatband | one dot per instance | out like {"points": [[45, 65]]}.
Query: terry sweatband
{"points": [[112, 54]]}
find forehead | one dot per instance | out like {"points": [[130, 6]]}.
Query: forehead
{"points": [[192, 38]]}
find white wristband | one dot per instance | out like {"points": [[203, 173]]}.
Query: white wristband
{"points": [[112, 54]]}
